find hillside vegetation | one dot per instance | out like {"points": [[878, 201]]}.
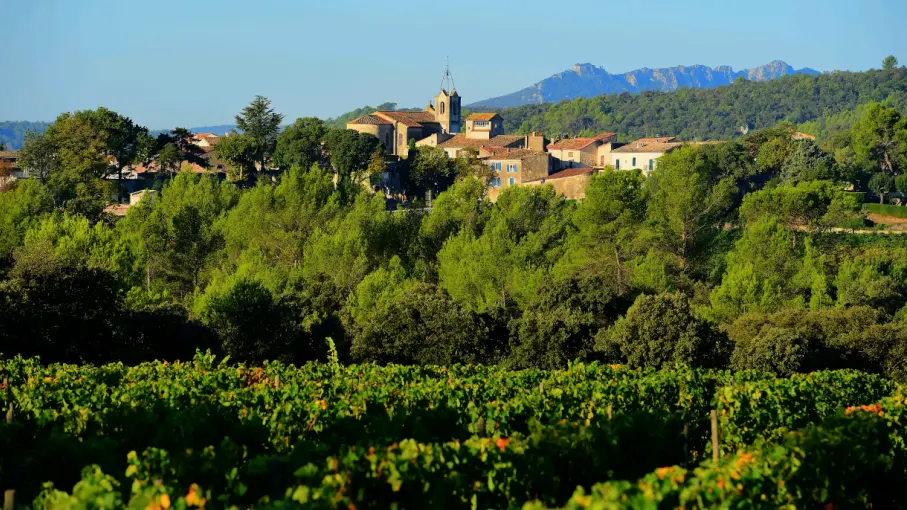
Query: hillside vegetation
{"points": [[713, 114]]}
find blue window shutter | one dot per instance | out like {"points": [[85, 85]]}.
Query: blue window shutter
{"points": [[511, 181], [634, 161]]}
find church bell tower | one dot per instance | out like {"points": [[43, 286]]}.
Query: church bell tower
{"points": [[447, 104]]}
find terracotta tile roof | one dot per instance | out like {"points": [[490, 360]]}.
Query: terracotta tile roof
{"points": [[579, 143], [373, 120], [409, 119], [570, 172], [505, 153], [460, 141], [117, 209], [802, 136], [482, 116], [660, 139], [648, 145], [9, 154]]}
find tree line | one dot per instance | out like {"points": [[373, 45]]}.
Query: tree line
{"points": [[724, 256], [722, 113]]}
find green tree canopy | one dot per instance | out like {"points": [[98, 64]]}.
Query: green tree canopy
{"points": [[300, 144], [880, 138], [261, 124], [661, 330]]}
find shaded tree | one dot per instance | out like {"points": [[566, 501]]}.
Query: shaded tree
{"points": [[38, 155], [350, 152], [686, 207], [880, 138], [890, 62], [300, 144], [661, 330], [239, 152], [881, 184], [261, 124]]}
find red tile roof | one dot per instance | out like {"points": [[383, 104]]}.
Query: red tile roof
{"points": [[117, 209], [649, 145], [373, 120], [504, 153], [460, 141], [570, 172], [482, 116], [409, 119], [9, 154], [660, 139], [579, 143]]}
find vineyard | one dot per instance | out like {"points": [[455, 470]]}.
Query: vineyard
{"points": [[210, 434]]}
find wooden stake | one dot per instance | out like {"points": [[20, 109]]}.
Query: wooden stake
{"points": [[9, 496], [714, 417], [686, 444]]}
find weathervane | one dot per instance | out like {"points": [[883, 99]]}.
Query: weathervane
{"points": [[448, 78]]}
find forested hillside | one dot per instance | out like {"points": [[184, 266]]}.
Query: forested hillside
{"points": [[12, 133], [712, 114]]}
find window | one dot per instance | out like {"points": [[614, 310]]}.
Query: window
{"points": [[617, 164], [634, 163], [603, 161], [498, 166], [511, 181], [499, 182], [442, 106], [569, 154], [651, 164]]}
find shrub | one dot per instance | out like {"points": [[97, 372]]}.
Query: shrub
{"points": [[778, 350], [661, 330]]}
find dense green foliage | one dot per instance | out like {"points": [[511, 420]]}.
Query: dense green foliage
{"points": [[698, 263], [373, 437], [713, 114]]}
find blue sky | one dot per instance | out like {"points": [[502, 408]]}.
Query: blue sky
{"points": [[172, 63]]}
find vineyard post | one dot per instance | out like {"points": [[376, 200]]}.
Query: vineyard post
{"points": [[9, 495], [714, 417], [686, 444]]}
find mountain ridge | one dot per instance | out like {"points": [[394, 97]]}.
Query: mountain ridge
{"points": [[587, 80]]}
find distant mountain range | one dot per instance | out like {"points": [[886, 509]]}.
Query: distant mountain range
{"points": [[586, 80]]}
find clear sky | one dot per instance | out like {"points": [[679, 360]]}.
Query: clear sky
{"points": [[172, 63]]}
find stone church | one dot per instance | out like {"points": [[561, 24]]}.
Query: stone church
{"points": [[395, 129]]}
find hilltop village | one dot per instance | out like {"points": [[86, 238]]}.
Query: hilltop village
{"points": [[515, 160]]}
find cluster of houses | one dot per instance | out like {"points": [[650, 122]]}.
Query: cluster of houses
{"points": [[516, 160]]}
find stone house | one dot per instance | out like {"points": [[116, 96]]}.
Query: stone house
{"points": [[583, 152], [571, 183], [513, 167], [642, 154]]}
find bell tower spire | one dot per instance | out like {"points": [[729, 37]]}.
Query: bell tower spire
{"points": [[447, 103]]}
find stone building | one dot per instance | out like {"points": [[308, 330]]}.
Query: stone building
{"points": [[571, 183], [513, 167], [395, 129], [583, 152], [642, 154]]}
